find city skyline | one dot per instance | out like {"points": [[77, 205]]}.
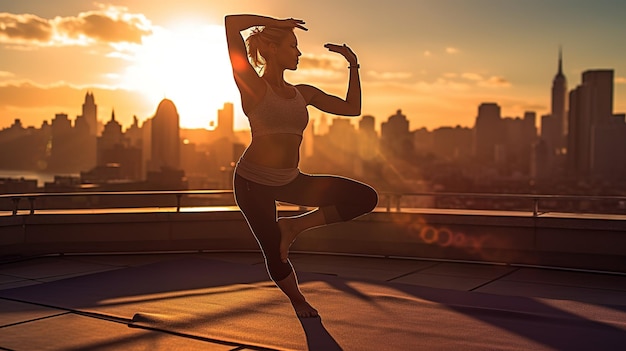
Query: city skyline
{"points": [[437, 62]]}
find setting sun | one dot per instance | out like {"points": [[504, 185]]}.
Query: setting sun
{"points": [[187, 64]]}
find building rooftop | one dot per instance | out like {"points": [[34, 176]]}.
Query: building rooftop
{"points": [[225, 301]]}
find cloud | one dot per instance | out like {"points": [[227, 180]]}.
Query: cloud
{"points": [[105, 25], [389, 75], [113, 25], [427, 53], [620, 80], [318, 63], [24, 28], [495, 82], [5, 74], [320, 67], [472, 76], [481, 81], [452, 51]]}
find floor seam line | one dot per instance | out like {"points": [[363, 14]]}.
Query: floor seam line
{"points": [[412, 272], [494, 279], [34, 320]]}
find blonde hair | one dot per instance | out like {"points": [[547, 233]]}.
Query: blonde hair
{"points": [[259, 41]]}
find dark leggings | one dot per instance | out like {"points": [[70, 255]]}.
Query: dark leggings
{"points": [[340, 199]]}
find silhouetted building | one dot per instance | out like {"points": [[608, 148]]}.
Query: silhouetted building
{"points": [[322, 125], [540, 167], [112, 135], [424, 141], [165, 137], [225, 121], [224, 136], [367, 138], [74, 148], [395, 136], [90, 113], [609, 150], [554, 126], [590, 119], [164, 167], [29, 147], [60, 143], [342, 137], [488, 134], [117, 158], [519, 135], [452, 143], [17, 185]]}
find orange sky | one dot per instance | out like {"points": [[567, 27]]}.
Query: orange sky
{"points": [[437, 61]]}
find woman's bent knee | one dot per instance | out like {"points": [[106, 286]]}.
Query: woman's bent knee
{"points": [[369, 199]]}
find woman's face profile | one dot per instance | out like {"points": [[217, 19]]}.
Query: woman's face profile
{"points": [[287, 53]]}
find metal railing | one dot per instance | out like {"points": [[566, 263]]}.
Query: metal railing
{"points": [[176, 194], [537, 204]]}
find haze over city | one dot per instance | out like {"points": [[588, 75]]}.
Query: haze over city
{"points": [[437, 61]]}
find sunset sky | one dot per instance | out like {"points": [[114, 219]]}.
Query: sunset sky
{"points": [[435, 60]]}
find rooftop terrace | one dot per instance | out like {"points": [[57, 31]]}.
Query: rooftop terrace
{"points": [[105, 280]]}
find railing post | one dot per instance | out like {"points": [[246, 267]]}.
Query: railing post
{"points": [[178, 199], [535, 207], [16, 202], [389, 202], [32, 205], [398, 197]]}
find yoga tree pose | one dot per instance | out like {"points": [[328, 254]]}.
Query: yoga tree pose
{"points": [[268, 170]]}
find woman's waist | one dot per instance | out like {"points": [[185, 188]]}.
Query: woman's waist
{"points": [[271, 176], [273, 153]]}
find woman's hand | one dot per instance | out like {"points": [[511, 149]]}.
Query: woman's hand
{"points": [[291, 23], [345, 51]]}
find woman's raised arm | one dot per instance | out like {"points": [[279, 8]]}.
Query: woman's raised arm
{"points": [[245, 75], [351, 106]]}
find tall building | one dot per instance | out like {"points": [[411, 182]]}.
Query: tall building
{"points": [[112, 135], [590, 112], [488, 133], [165, 138], [395, 137], [368, 138], [61, 139], [225, 136], [557, 127], [90, 113], [226, 121]]}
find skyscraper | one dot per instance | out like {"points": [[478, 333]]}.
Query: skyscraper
{"points": [[225, 121], [165, 141], [590, 108], [395, 137], [225, 137], [488, 133], [90, 113], [558, 111]]}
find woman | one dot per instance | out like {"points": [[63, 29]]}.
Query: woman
{"points": [[268, 170]]}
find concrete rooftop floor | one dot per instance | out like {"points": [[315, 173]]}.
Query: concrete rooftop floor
{"points": [[25, 324]]}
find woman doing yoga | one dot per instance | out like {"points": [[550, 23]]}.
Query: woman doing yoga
{"points": [[268, 170]]}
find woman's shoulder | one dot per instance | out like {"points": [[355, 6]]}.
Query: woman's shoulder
{"points": [[308, 91]]}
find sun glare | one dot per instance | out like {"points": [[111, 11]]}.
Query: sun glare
{"points": [[189, 65]]}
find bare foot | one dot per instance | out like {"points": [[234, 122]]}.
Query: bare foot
{"points": [[287, 235], [303, 309]]}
